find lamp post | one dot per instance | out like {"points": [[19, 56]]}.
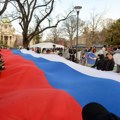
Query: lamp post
{"points": [[77, 8]]}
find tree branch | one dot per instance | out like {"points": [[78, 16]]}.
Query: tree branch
{"points": [[53, 26], [4, 6]]}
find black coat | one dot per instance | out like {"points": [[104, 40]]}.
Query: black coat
{"points": [[109, 65], [100, 64]]}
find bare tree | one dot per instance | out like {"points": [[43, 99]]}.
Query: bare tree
{"points": [[3, 6], [70, 27], [37, 38], [95, 24], [54, 34], [107, 23], [103, 33], [28, 10]]}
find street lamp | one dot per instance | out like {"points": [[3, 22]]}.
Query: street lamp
{"points": [[77, 8]]}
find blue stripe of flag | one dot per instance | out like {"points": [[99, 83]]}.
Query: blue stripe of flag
{"points": [[82, 87]]}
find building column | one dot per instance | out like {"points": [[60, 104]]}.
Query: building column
{"points": [[3, 39], [0, 39], [8, 41]]}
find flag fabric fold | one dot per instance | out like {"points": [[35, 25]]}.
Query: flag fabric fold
{"points": [[49, 87]]}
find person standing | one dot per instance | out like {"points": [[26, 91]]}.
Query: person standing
{"points": [[83, 59], [116, 57], [91, 57], [109, 62]]}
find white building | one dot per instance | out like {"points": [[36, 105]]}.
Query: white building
{"points": [[7, 32]]}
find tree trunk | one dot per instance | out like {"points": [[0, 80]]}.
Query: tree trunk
{"points": [[25, 43], [71, 42]]}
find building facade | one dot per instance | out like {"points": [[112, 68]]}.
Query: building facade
{"points": [[7, 32]]}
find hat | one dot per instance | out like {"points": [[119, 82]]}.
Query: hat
{"points": [[95, 111]]}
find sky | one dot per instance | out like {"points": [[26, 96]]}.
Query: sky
{"points": [[109, 8]]}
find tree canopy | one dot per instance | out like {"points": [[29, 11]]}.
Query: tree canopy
{"points": [[113, 33]]}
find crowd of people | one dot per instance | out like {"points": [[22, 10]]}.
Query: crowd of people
{"points": [[58, 51], [101, 60]]}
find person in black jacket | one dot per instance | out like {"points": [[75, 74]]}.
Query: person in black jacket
{"points": [[95, 111], [72, 52], [100, 62], [109, 62]]}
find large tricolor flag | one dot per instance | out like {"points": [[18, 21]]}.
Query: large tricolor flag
{"points": [[48, 87]]}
